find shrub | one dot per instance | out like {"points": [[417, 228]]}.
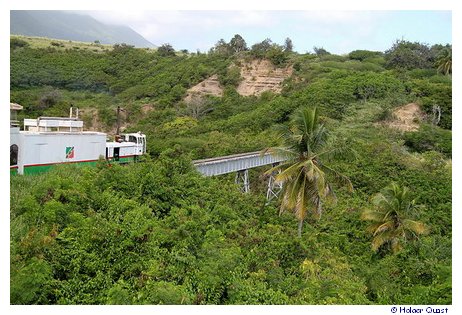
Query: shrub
{"points": [[17, 43], [231, 76], [430, 138], [361, 55]]}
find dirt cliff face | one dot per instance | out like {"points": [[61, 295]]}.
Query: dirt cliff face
{"points": [[209, 86], [258, 76], [407, 117]]}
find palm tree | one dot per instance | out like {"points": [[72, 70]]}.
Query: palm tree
{"points": [[444, 61], [391, 225], [303, 176]]}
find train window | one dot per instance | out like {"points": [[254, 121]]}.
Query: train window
{"points": [[132, 139], [13, 154]]}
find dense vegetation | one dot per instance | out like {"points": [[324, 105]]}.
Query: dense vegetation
{"points": [[159, 233]]}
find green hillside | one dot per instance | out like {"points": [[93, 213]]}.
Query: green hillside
{"points": [[159, 233], [71, 26]]}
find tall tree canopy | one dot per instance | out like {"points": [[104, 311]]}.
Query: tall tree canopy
{"points": [[238, 43]]}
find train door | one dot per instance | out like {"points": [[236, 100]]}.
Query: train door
{"points": [[116, 154]]}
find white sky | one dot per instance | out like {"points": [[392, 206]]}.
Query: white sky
{"points": [[337, 31]]}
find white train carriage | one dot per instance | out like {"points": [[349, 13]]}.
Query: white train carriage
{"points": [[127, 149], [48, 141]]}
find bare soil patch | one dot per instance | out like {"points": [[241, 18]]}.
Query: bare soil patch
{"points": [[210, 86], [260, 76], [407, 117]]}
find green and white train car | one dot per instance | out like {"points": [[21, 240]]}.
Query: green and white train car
{"points": [[48, 141]]}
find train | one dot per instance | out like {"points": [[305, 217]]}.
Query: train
{"points": [[48, 141]]}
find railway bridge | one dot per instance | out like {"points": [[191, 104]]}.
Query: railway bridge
{"points": [[240, 164]]}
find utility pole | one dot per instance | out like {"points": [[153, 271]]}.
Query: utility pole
{"points": [[118, 119]]}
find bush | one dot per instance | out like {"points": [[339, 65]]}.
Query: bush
{"points": [[361, 55], [17, 43], [231, 76], [429, 138], [435, 94]]}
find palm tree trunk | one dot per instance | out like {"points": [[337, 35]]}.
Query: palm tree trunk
{"points": [[300, 226]]}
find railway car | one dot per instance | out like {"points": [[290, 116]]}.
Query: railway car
{"points": [[47, 141]]}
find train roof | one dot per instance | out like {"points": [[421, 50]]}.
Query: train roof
{"points": [[61, 133], [120, 144]]}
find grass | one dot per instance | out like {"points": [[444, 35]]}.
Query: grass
{"points": [[60, 44]]}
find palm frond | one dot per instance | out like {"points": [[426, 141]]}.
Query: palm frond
{"points": [[338, 177], [372, 215], [380, 239], [386, 226], [396, 245], [416, 227], [391, 224]]}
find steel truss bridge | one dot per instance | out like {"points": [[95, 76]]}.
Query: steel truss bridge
{"points": [[240, 164]]}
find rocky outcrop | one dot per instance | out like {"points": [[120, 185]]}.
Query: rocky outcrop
{"points": [[210, 86], [407, 117], [260, 76]]}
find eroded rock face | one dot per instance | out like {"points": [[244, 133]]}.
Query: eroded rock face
{"points": [[407, 117], [260, 76], [210, 86]]}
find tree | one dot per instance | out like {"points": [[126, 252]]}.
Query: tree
{"points": [[276, 55], [166, 50], [197, 106], [444, 61], [391, 225], [49, 98], [222, 48], [259, 50], [408, 55], [288, 45], [320, 51], [238, 44], [303, 176]]}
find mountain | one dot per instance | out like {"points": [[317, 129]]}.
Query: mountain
{"points": [[72, 26]]}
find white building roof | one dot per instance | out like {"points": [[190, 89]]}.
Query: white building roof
{"points": [[14, 106]]}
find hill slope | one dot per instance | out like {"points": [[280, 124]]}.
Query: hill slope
{"points": [[71, 26], [159, 233]]}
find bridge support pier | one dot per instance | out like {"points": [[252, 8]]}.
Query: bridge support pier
{"points": [[242, 179], [274, 189]]}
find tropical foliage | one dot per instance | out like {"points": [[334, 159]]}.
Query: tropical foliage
{"points": [[303, 175], [444, 61], [157, 232], [391, 224]]}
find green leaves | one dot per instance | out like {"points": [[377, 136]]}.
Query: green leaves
{"points": [[159, 233], [391, 223], [30, 283], [304, 177]]}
